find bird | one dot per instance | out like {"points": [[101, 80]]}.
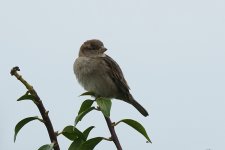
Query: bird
{"points": [[99, 73]]}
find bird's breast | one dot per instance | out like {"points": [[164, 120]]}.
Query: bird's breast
{"points": [[93, 76], [84, 69]]}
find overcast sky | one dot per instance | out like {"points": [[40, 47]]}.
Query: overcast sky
{"points": [[172, 53]]}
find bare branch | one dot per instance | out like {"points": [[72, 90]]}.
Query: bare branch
{"points": [[52, 134], [113, 133]]}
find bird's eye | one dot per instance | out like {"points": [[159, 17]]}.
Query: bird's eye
{"points": [[94, 47], [90, 47]]}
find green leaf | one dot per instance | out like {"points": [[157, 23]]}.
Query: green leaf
{"points": [[22, 123], [72, 133], [87, 131], [47, 147], [105, 105], [85, 105], [88, 94], [91, 143], [79, 133], [137, 126], [26, 96], [81, 115], [76, 144], [69, 133]]}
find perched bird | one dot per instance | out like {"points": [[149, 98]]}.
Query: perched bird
{"points": [[99, 73]]}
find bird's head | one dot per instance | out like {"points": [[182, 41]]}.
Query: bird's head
{"points": [[92, 48]]}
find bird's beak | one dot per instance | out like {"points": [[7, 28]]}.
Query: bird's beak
{"points": [[103, 49]]}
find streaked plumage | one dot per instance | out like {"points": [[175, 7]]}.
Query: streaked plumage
{"points": [[99, 73]]}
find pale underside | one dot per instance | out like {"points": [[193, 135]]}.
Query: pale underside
{"points": [[93, 77]]}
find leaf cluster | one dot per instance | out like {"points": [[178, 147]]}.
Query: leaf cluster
{"points": [[79, 139]]}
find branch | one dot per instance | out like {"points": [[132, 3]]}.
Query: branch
{"points": [[113, 133], [39, 104]]}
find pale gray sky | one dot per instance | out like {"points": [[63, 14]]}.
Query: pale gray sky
{"points": [[172, 54]]}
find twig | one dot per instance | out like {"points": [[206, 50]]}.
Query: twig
{"points": [[113, 133], [39, 104]]}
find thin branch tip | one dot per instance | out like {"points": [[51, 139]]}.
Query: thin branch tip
{"points": [[14, 70]]}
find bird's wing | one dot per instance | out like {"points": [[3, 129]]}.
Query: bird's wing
{"points": [[116, 75]]}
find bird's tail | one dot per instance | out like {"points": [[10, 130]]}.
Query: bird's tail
{"points": [[138, 106]]}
